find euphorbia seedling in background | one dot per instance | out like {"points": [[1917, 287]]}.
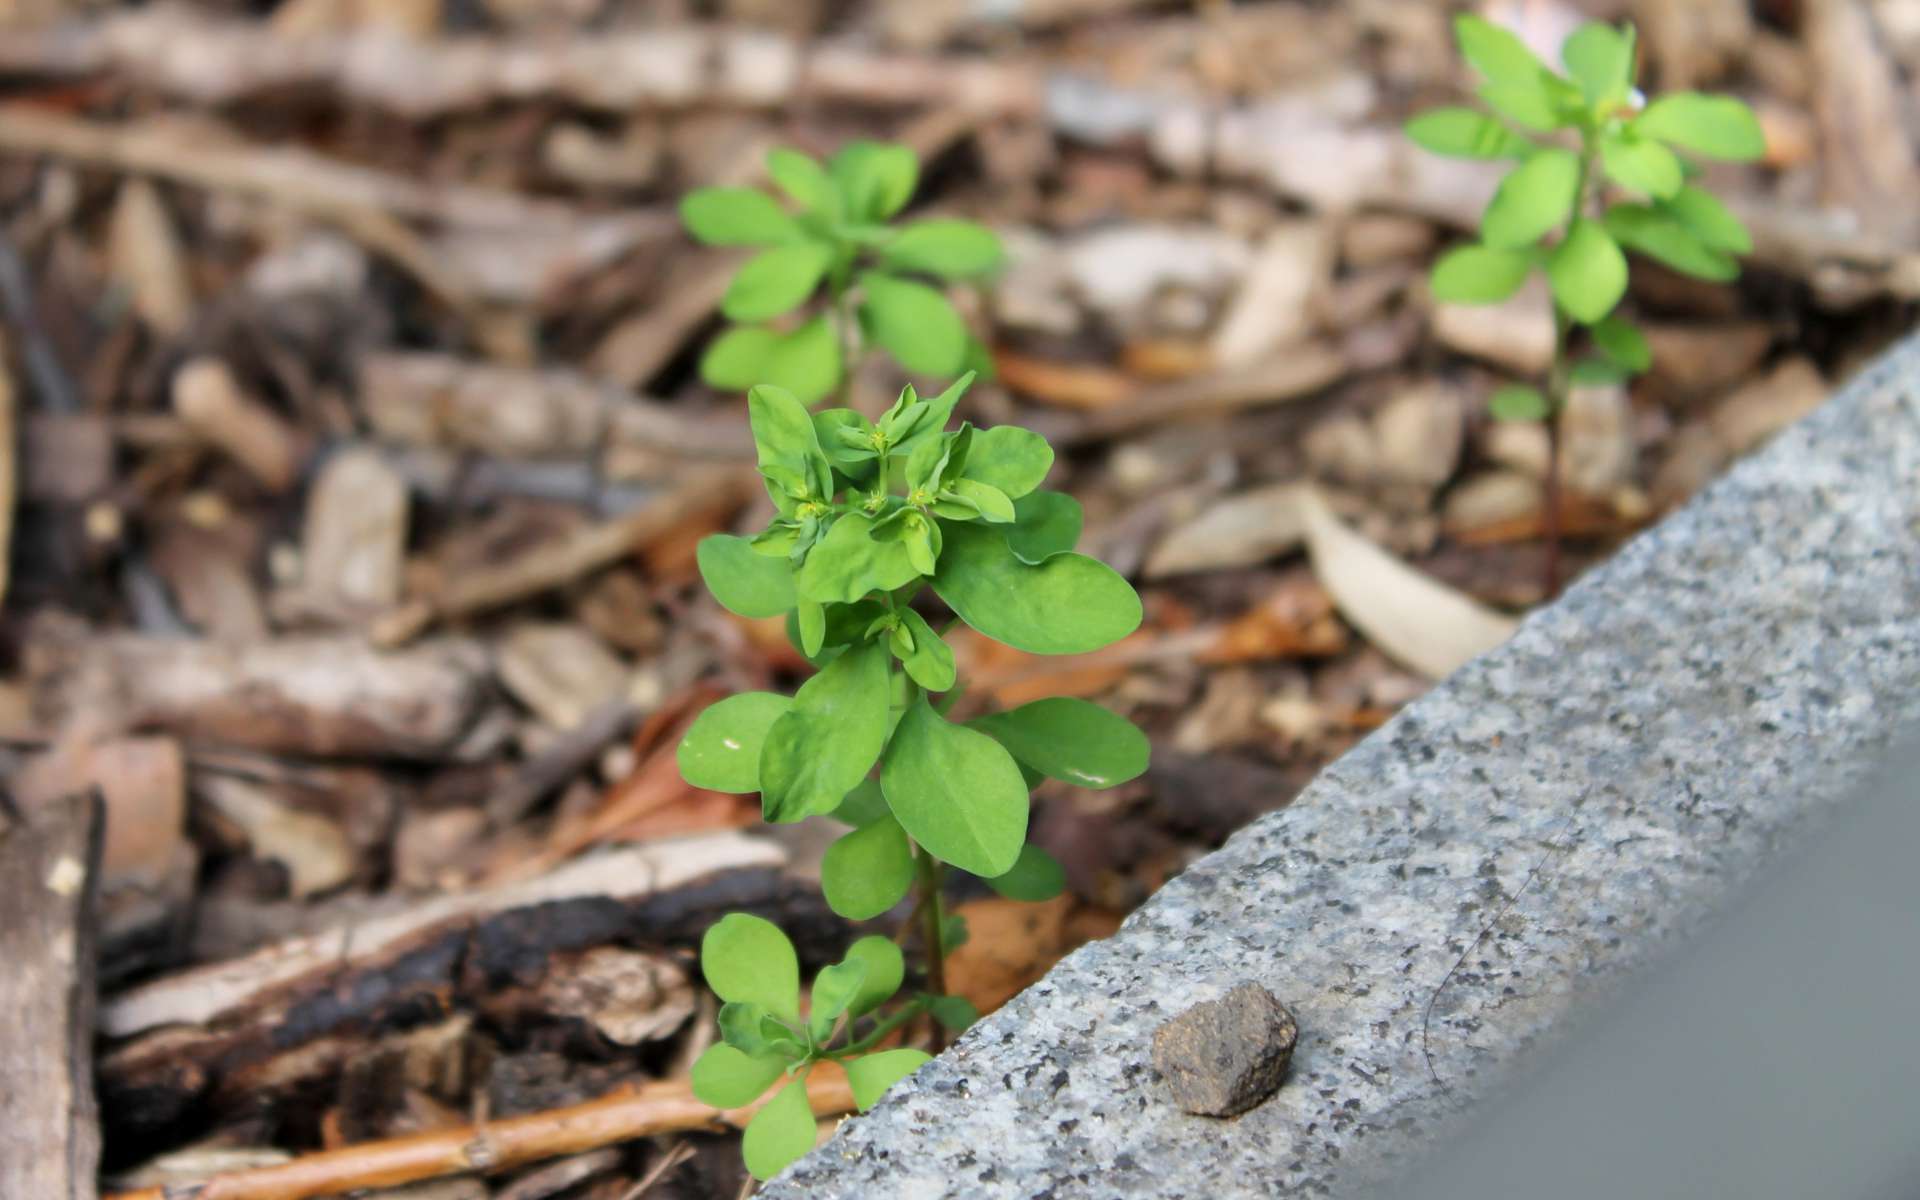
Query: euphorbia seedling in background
{"points": [[837, 236], [869, 515], [1571, 136]]}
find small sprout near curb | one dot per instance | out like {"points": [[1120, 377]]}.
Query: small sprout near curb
{"points": [[1598, 171]]}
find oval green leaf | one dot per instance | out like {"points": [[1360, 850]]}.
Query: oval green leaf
{"points": [[804, 180], [747, 960], [721, 749], [724, 216], [950, 249], [1600, 59], [1716, 126], [1587, 272], [1464, 133], [1664, 239], [727, 1078], [1012, 459], [1517, 402], [1479, 275], [1532, 200], [1623, 345], [1495, 52], [1044, 524], [834, 989], [824, 747], [914, 322], [885, 970], [931, 663], [1075, 741], [744, 581], [779, 1133], [775, 280], [806, 362], [1067, 604], [867, 871], [871, 1075], [956, 791], [1641, 164], [738, 357], [875, 179], [1709, 220]]}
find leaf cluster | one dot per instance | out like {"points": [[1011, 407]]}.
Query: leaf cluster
{"points": [[834, 232], [766, 1038], [1566, 132], [870, 514]]}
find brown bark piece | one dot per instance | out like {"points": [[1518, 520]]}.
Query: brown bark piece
{"points": [[49, 1132]]}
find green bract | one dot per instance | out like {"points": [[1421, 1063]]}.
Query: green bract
{"points": [[1573, 213], [836, 235], [872, 519]]}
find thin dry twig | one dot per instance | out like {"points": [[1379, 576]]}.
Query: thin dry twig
{"points": [[621, 1117]]}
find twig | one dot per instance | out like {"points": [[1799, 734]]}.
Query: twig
{"points": [[681, 1152], [702, 495], [9, 482], [622, 1117]]}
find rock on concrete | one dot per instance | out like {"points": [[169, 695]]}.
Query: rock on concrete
{"points": [[1449, 893], [1222, 1057]]}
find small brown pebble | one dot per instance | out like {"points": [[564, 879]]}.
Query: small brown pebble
{"points": [[1222, 1057]]}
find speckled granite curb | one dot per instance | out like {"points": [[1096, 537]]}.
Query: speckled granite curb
{"points": [[1595, 786]]}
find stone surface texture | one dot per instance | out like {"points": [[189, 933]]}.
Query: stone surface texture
{"points": [[1455, 890], [1222, 1057]]}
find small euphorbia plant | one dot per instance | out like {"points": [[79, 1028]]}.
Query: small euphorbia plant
{"points": [[869, 515], [1598, 169], [837, 238]]}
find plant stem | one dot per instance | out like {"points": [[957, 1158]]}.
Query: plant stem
{"points": [[905, 1013], [930, 872], [1559, 385]]}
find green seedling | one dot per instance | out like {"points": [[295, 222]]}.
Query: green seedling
{"points": [[1599, 171], [836, 236], [869, 515]]}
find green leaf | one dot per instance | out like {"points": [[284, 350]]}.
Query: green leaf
{"points": [[914, 322], [863, 805], [731, 216], [846, 437], [737, 358], [1517, 402], [1068, 604], [1709, 220], [885, 969], [867, 871], [806, 362], [1623, 344], [748, 960], [989, 501], [872, 1074], [1714, 126], [1036, 876], [1012, 459], [875, 179], [924, 419], [950, 249], [779, 1133], [1495, 52], [1664, 239], [1044, 524], [773, 281], [850, 562], [756, 1033], [725, 1077], [820, 751], [954, 1012], [721, 749], [1072, 740], [1532, 200], [1640, 164], [745, 582], [957, 792], [834, 989], [1600, 59], [804, 180], [931, 663], [1464, 133], [1525, 102], [1479, 275], [1587, 272], [810, 622], [788, 446]]}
